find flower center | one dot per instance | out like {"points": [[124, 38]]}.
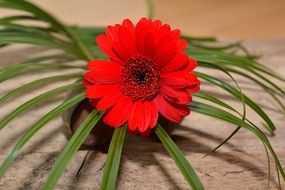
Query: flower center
{"points": [[140, 78]]}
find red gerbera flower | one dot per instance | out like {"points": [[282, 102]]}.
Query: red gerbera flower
{"points": [[147, 74]]}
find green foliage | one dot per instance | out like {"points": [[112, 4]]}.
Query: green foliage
{"points": [[71, 147], [113, 160], [181, 162], [29, 104], [36, 127], [226, 116]]}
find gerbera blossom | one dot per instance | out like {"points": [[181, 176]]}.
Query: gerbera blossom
{"points": [[147, 74]]}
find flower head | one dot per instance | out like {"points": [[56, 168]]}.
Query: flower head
{"points": [[147, 74]]}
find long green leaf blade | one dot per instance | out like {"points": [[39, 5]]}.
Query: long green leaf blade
{"points": [[35, 39], [35, 83], [113, 160], [35, 128], [226, 116], [71, 147], [270, 125], [29, 68], [182, 163], [29, 104]]}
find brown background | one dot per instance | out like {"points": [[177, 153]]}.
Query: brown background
{"points": [[246, 19]]}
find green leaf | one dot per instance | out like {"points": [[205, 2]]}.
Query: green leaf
{"points": [[20, 69], [22, 89], [223, 69], [71, 148], [113, 160], [81, 50], [29, 104], [181, 162], [88, 35], [17, 67], [26, 6], [10, 19], [205, 96], [199, 39], [35, 39], [55, 58], [271, 127], [36, 127], [221, 57], [226, 116], [271, 90], [212, 99]]}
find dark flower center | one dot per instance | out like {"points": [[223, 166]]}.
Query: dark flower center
{"points": [[140, 78]]}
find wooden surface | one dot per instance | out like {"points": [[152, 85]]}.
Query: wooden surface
{"points": [[145, 165]]}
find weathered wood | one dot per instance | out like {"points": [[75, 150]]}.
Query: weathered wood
{"points": [[241, 164]]}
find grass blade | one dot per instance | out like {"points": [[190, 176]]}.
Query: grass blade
{"points": [[223, 104], [71, 148], [232, 90], [22, 69], [113, 160], [181, 162], [226, 116], [29, 104], [81, 50], [222, 57], [35, 39], [270, 90], [35, 128], [22, 89], [26, 6]]}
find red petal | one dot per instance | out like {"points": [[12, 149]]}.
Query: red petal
{"points": [[178, 62], [108, 100], [172, 112], [149, 45], [179, 80], [191, 66], [181, 45], [107, 47], [165, 28], [128, 24], [143, 118], [195, 87], [176, 96], [176, 79], [103, 72], [152, 113], [175, 33], [127, 40], [86, 83], [156, 26], [140, 33], [111, 34], [119, 114], [139, 118], [135, 116], [165, 51], [94, 64], [98, 91], [120, 51]]}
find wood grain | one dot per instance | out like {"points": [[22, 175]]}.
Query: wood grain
{"points": [[241, 164]]}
